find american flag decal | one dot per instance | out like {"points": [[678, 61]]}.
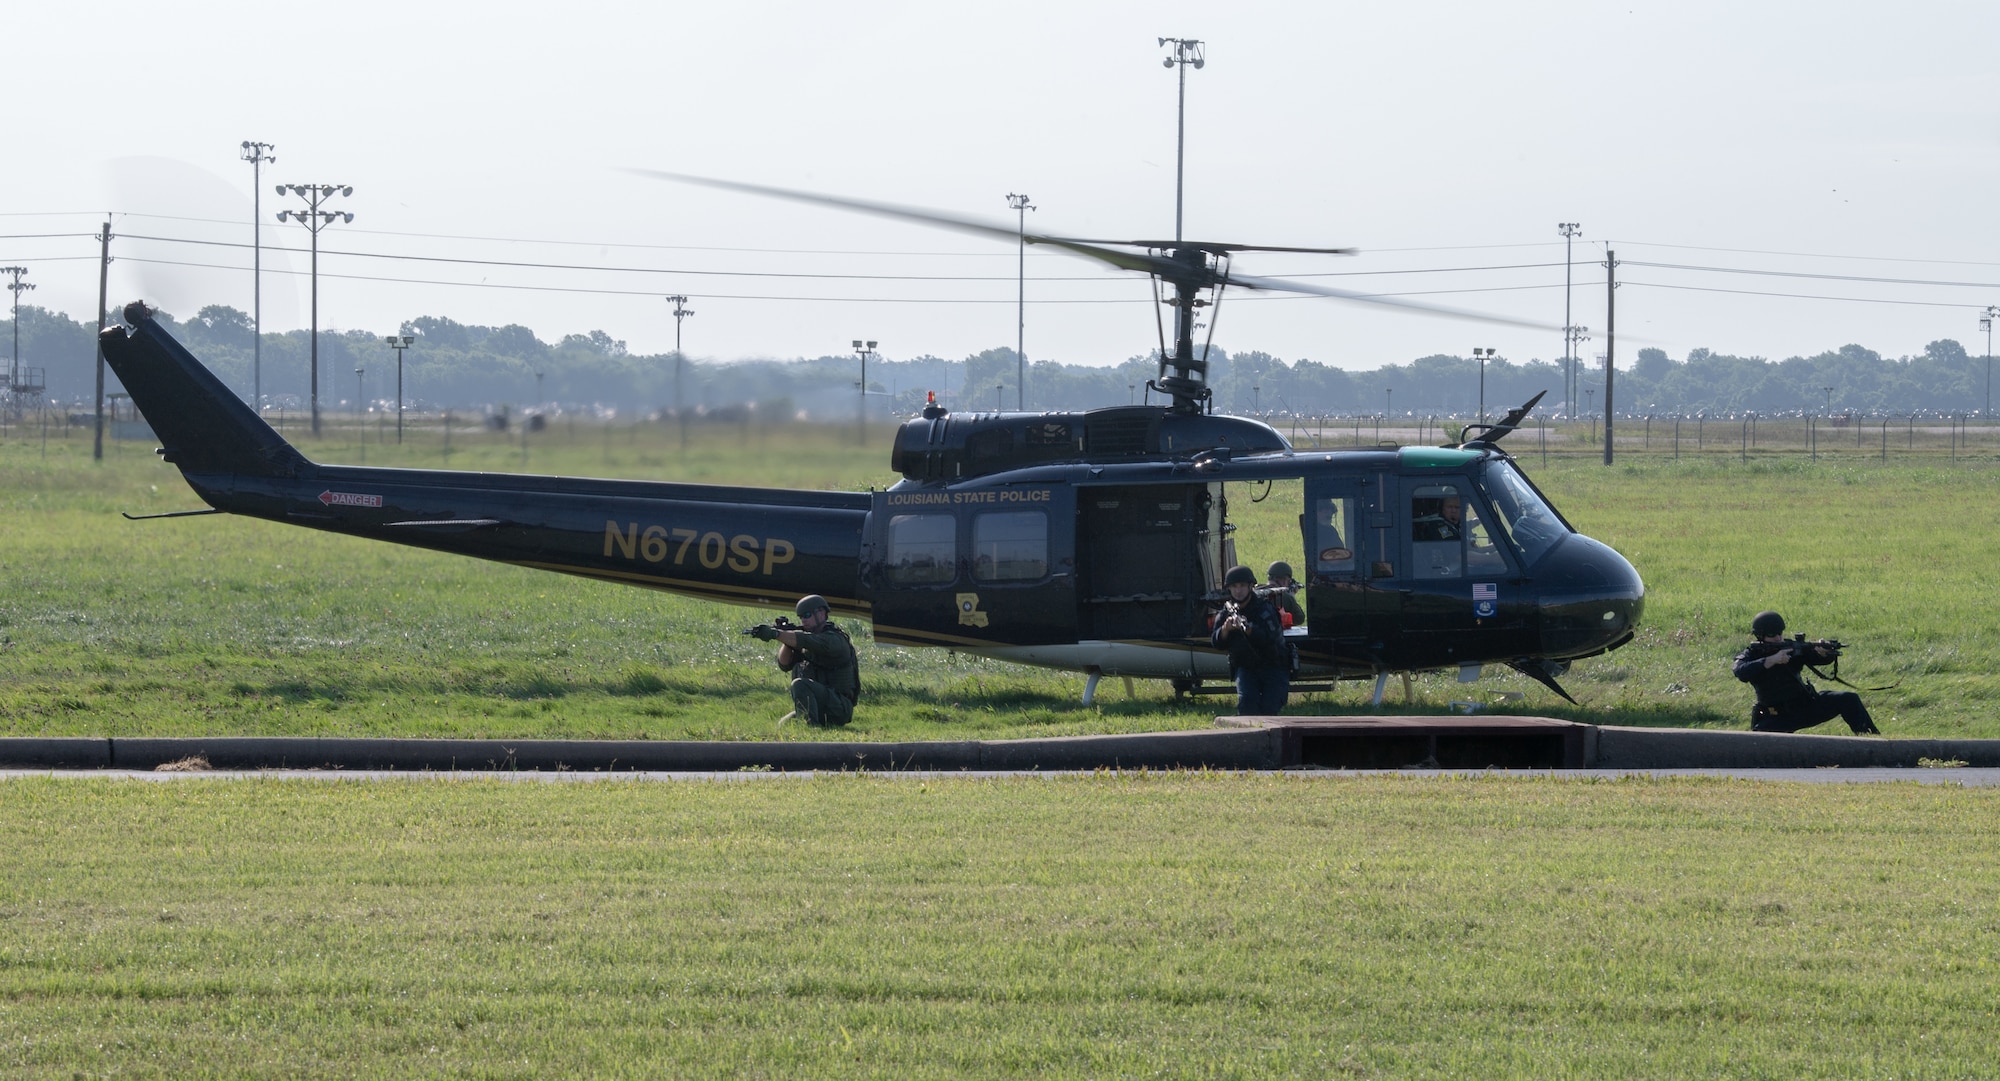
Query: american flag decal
{"points": [[1485, 591]]}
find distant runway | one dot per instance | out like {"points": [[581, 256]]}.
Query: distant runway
{"points": [[1962, 776]]}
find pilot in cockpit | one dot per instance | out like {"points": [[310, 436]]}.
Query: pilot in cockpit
{"points": [[1445, 520]]}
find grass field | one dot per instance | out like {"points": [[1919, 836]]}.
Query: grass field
{"points": [[1179, 925], [1168, 925], [225, 625]]}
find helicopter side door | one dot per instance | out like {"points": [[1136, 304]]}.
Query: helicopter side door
{"points": [[1352, 550], [1460, 588], [1147, 554]]}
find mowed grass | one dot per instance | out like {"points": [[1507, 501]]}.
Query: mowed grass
{"points": [[1183, 925], [223, 625]]}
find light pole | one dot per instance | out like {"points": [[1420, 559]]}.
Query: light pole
{"points": [[315, 219], [257, 154], [1577, 336], [1186, 51], [399, 342], [1256, 399], [360, 402], [1829, 400], [1021, 207], [1481, 355], [681, 311], [1570, 231], [861, 417], [1388, 401]]}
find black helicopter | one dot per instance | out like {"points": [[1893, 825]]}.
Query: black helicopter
{"points": [[1093, 541]]}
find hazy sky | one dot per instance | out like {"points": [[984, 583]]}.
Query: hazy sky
{"points": [[1838, 143]]}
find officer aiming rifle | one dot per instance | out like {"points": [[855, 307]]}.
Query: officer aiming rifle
{"points": [[1785, 701], [826, 674]]}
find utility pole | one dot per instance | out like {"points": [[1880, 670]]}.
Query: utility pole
{"points": [[1986, 324], [16, 287], [1021, 207], [1610, 340], [315, 219], [681, 311], [103, 298], [861, 417], [1570, 231], [1186, 51], [257, 154], [399, 342]]}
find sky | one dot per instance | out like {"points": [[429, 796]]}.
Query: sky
{"points": [[1775, 179]]}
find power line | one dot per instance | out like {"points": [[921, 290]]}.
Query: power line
{"points": [[1246, 298], [1796, 296], [1817, 255], [1808, 274]]}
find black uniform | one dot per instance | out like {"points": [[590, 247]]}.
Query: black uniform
{"points": [[1786, 702], [1260, 660]]}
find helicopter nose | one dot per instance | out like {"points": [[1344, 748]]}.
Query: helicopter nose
{"points": [[1591, 598]]}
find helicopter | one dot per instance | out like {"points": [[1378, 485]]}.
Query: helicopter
{"points": [[1094, 541]]}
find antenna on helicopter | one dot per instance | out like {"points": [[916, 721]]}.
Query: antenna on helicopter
{"points": [[1489, 434]]}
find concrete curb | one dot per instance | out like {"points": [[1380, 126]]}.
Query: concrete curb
{"points": [[1217, 749], [1679, 748], [1256, 746]]}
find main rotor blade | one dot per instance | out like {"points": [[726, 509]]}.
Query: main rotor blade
{"points": [[1219, 248], [1280, 285], [1140, 261]]}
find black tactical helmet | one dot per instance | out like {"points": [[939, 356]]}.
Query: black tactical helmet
{"points": [[1241, 574], [810, 603], [1767, 624], [1280, 569]]}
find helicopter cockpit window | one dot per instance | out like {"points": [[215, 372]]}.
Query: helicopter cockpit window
{"points": [[1010, 546], [1437, 531], [1449, 536], [1333, 530], [1523, 516], [923, 550]]}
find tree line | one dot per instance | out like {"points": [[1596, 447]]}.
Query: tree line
{"points": [[466, 366]]}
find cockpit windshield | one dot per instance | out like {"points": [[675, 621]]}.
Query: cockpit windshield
{"points": [[1522, 515]]}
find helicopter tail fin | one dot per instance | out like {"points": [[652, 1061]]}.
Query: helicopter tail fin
{"points": [[202, 425]]}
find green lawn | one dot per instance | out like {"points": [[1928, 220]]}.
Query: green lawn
{"points": [[226, 625], [1168, 925]]}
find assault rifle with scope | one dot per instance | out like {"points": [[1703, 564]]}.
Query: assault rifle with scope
{"points": [[768, 632], [1825, 649]]}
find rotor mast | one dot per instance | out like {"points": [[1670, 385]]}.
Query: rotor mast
{"points": [[1184, 376]]}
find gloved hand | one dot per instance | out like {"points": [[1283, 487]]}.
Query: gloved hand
{"points": [[764, 632]]}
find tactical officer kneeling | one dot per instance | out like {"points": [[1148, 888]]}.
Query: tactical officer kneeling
{"points": [[1785, 702], [826, 674]]}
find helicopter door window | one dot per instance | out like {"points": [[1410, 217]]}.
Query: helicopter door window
{"points": [[1437, 531], [923, 550], [1011, 546], [1333, 524]]}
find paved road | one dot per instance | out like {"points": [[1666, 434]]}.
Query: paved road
{"points": [[1970, 778]]}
